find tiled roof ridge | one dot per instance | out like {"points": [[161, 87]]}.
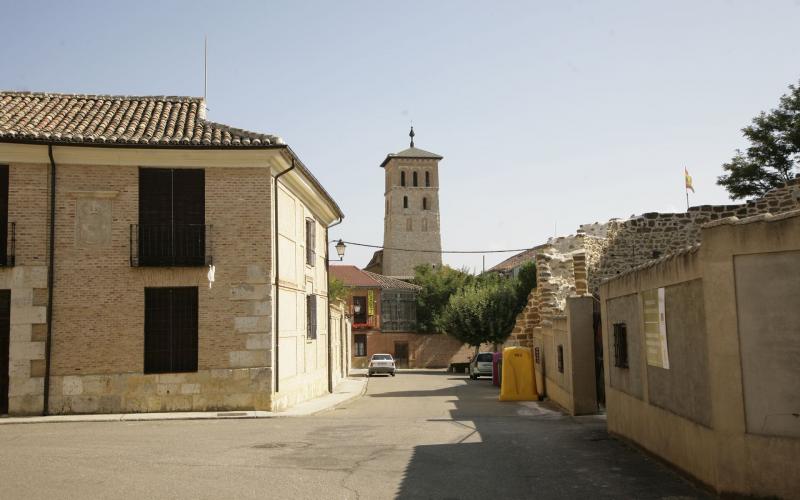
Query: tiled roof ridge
{"points": [[121, 97], [389, 282]]}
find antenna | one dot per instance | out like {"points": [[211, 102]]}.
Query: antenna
{"points": [[205, 71]]}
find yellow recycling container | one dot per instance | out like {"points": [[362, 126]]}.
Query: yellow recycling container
{"points": [[518, 382]]}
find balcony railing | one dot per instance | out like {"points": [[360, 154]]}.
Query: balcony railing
{"points": [[8, 243], [171, 245]]}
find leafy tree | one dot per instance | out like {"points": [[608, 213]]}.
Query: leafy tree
{"points": [[438, 284], [773, 154], [526, 281], [336, 289], [481, 312]]}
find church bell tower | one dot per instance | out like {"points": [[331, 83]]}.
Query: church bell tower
{"points": [[411, 233]]}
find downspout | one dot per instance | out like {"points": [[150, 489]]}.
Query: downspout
{"points": [[48, 349], [327, 287], [277, 284]]}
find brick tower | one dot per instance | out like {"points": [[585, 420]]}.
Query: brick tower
{"points": [[411, 219]]}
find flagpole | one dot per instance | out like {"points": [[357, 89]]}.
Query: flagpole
{"points": [[687, 199]]}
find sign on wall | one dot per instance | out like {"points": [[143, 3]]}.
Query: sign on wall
{"points": [[370, 302], [655, 328]]}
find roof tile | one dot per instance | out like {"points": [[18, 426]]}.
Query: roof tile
{"points": [[124, 120]]}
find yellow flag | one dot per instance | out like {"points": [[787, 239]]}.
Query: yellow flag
{"points": [[687, 179]]}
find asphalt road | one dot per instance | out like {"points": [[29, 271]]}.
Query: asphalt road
{"points": [[422, 434]]}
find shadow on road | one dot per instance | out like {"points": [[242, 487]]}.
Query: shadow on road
{"points": [[510, 450]]}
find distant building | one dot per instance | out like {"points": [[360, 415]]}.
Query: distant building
{"points": [[384, 317], [411, 230]]}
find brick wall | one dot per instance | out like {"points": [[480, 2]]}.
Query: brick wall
{"points": [[98, 313]]}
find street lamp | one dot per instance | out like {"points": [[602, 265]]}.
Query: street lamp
{"points": [[340, 246]]}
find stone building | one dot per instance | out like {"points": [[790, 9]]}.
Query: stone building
{"points": [[411, 216], [568, 348], [157, 261], [703, 356]]}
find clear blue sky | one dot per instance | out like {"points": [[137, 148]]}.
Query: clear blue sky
{"points": [[545, 112]]}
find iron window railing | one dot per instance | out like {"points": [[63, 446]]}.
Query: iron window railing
{"points": [[168, 245], [8, 243]]}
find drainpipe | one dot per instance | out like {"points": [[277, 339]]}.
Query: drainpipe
{"points": [[327, 287], [277, 284], [48, 349]]}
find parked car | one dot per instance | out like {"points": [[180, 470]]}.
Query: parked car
{"points": [[384, 363], [481, 365]]}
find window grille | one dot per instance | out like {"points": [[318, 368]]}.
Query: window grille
{"points": [[311, 316], [311, 241], [560, 358], [620, 345], [536, 355]]}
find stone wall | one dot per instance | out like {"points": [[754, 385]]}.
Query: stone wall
{"points": [[575, 265]]}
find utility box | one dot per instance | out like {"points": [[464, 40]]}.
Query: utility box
{"points": [[517, 382]]}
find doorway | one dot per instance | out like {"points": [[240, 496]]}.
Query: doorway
{"points": [[401, 354], [5, 316]]}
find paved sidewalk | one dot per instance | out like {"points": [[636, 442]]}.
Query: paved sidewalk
{"points": [[346, 390]]}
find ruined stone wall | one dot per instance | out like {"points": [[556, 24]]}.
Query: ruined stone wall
{"points": [[576, 265]]}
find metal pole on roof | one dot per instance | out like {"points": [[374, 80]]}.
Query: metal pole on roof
{"points": [[205, 71]]}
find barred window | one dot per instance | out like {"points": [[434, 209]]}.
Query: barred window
{"points": [[620, 345], [537, 356], [311, 241], [561, 358], [311, 316]]}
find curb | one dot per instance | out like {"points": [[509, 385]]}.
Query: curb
{"points": [[297, 411]]}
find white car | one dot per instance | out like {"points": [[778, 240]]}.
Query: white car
{"points": [[481, 365], [381, 363]]}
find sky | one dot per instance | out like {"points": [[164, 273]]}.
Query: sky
{"points": [[548, 114]]}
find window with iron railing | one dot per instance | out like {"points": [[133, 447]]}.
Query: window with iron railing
{"points": [[171, 229]]}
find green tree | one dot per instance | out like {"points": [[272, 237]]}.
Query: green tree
{"points": [[483, 311], [438, 284], [336, 289], [773, 154], [526, 281]]}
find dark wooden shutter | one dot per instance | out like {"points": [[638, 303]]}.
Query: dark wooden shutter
{"points": [[155, 216], [3, 215], [189, 216], [5, 334], [157, 330], [170, 329], [172, 217]]}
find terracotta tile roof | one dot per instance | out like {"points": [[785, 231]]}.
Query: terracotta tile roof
{"points": [[390, 283], [355, 277], [168, 121], [412, 152], [515, 260]]}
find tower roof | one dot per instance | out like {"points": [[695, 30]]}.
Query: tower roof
{"points": [[416, 153]]}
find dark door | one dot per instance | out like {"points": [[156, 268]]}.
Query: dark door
{"points": [[600, 383], [401, 354], [5, 309]]}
